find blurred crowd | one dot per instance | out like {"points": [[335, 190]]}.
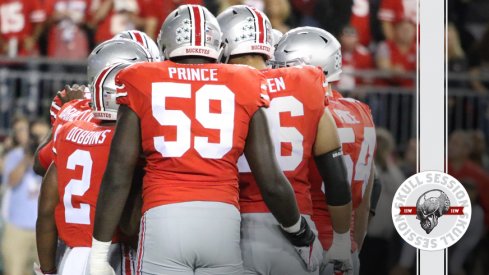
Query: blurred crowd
{"points": [[374, 34]]}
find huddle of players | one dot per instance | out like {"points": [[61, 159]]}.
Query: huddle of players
{"points": [[191, 126]]}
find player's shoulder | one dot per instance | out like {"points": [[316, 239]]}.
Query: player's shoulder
{"points": [[240, 70]]}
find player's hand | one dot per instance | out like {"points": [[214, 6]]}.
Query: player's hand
{"points": [[38, 271], [99, 264], [339, 254], [304, 245], [70, 93]]}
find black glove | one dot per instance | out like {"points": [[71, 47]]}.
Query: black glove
{"points": [[303, 242], [303, 237]]}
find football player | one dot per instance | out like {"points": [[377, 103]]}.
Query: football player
{"points": [[301, 129], [314, 46], [143, 39], [66, 109], [192, 119], [70, 187]]}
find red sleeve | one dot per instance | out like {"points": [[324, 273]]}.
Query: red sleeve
{"points": [[46, 155], [127, 94]]}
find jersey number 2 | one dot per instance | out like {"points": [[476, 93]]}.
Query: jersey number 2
{"points": [[78, 188]]}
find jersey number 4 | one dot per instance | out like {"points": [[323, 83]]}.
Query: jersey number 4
{"points": [[223, 121]]}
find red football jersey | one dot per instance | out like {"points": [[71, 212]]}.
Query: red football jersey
{"points": [[194, 122], [78, 109], [17, 18], [296, 107], [82, 152], [358, 140]]}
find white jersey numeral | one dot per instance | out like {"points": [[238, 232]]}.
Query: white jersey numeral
{"points": [[281, 134], [223, 121], [365, 156], [78, 188], [12, 19]]}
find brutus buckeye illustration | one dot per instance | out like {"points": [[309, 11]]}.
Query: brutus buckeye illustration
{"points": [[430, 206]]}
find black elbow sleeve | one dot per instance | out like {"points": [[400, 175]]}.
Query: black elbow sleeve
{"points": [[374, 197], [332, 168]]}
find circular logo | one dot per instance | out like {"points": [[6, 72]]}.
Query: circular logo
{"points": [[431, 210]]}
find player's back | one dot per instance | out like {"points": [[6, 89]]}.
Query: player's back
{"points": [[78, 109], [357, 135], [82, 150], [296, 106], [194, 123]]}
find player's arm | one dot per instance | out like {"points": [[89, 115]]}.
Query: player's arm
{"points": [[115, 187], [331, 166], [129, 223], [276, 190], [362, 212], [46, 232], [38, 167], [329, 161], [274, 186]]}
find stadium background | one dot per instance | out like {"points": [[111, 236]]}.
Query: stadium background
{"points": [[378, 37]]}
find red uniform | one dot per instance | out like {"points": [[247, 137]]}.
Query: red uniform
{"points": [[82, 151], [399, 59], [194, 122], [74, 110], [17, 19], [357, 135], [296, 106]]}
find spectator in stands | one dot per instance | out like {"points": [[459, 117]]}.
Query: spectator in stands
{"points": [[398, 56], [111, 17], [460, 146], [479, 154], [332, 15], [479, 64], [66, 36], [354, 57], [381, 228], [392, 11], [224, 4], [19, 205], [20, 27], [457, 63], [278, 11], [360, 20], [154, 12]]}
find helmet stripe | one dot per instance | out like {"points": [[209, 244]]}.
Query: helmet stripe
{"points": [[139, 38], [197, 24], [99, 83], [262, 27]]}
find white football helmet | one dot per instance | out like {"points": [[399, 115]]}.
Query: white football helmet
{"points": [[115, 51], [143, 39], [104, 90], [310, 46], [190, 30], [245, 30], [276, 36]]}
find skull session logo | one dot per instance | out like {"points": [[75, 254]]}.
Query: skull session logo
{"points": [[431, 210]]}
